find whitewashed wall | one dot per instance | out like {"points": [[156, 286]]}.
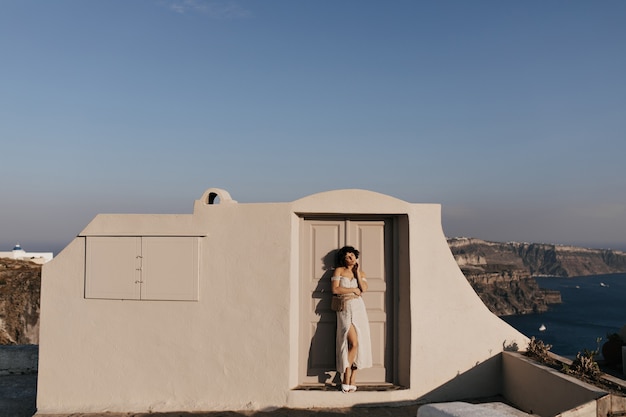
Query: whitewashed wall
{"points": [[236, 347]]}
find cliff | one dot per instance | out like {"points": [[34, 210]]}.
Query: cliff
{"points": [[20, 283], [522, 260], [502, 273]]}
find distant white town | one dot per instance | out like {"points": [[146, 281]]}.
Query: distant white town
{"points": [[21, 254]]}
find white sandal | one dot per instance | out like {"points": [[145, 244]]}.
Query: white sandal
{"points": [[345, 388]]}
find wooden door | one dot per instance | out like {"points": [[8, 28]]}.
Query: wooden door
{"points": [[320, 239]]}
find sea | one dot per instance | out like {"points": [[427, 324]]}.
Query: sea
{"points": [[592, 307]]}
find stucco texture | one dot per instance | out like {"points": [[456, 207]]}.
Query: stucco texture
{"points": [[237, 346]]}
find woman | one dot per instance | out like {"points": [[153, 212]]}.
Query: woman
{"points": [[354, 350]]}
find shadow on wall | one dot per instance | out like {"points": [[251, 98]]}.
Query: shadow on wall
{"points": [[321, 360], [489, 371]]}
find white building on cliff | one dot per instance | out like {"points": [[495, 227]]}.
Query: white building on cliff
{"points": [[228, 308], [21, 254]]}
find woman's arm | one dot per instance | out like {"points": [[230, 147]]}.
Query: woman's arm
{"points": [[360, 275], [341, 290]]}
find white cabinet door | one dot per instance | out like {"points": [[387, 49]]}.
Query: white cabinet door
{"points": [[142, 268], [170, 268], [113, 267]]}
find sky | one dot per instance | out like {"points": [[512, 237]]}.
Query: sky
{"points": [[510, 114]]}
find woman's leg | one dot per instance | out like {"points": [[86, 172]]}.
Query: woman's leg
{"points": [[352, 377], [347, 376], [353, 345]]}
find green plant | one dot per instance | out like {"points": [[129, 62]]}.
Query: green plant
{"points": [[584, 365], [538, 350]]}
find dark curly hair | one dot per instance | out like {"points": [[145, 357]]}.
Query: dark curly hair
{"points": [[341, 255]]}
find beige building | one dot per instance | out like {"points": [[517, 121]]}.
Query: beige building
{"points": [[228, 308]]}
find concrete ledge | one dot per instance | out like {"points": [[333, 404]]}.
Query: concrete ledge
{"points": [[463, 409], [539, 389], [19, 359]]}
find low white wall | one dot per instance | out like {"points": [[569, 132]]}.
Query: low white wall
{"points": [[541, 390], [36, 257]]}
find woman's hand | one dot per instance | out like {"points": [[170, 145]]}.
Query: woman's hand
{"points": [[357, 291], [360, 276]]}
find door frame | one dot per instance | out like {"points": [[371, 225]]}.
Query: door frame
{"points": [[397, 345]]}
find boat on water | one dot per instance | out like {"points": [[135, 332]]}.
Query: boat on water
{"points": [[542, 328], [602, 284]]}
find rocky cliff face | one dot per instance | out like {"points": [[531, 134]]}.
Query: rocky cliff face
{"points": [[534, 259], [505, 298], [20, 283], [502, 273]]}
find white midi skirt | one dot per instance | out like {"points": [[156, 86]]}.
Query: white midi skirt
{"points": [[355, 315]]}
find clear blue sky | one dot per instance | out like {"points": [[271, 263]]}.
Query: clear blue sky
{"points": [[511, 114]]}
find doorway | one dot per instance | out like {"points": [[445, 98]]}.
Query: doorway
{"points": [[320, 237]]}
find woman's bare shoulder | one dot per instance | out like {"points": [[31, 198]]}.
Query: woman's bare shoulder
{"points": [[338, 271]]}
